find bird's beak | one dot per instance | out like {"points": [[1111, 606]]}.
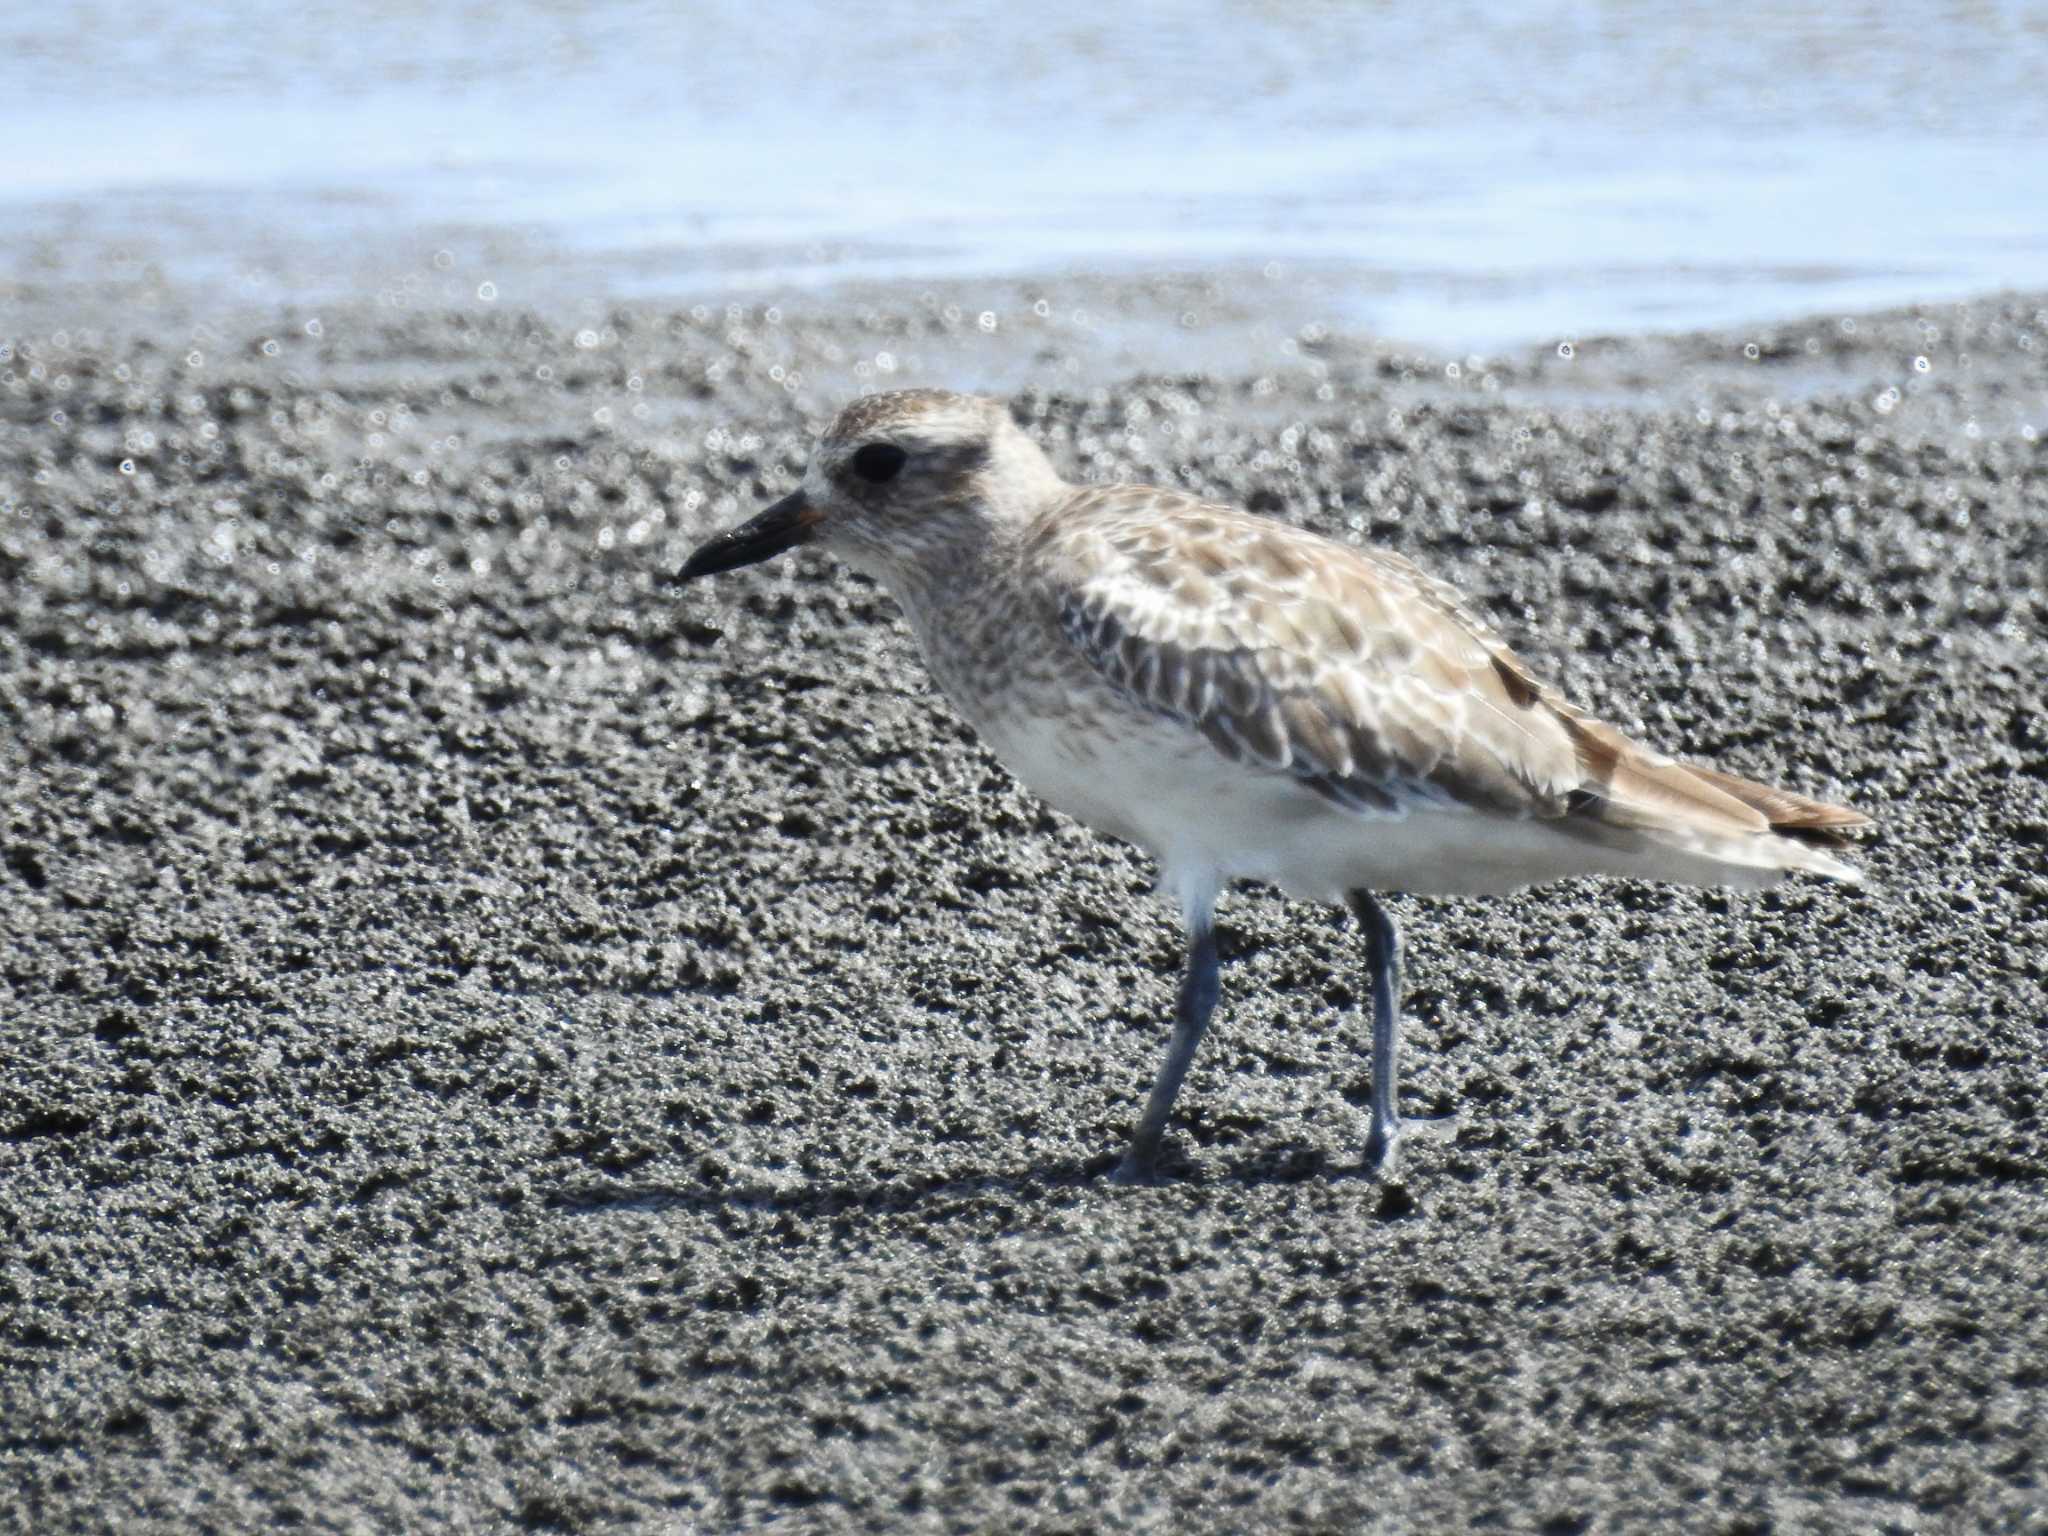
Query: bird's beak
{"points": [[790, 522]]}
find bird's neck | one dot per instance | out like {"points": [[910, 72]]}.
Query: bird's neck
{"points": [[949, 568]]}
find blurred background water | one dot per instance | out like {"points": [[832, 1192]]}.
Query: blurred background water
{"points": [[1461, 175]]}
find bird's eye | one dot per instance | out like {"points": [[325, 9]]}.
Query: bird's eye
{"points": [[879, 462]]}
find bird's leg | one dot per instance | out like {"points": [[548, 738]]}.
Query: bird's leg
{"points": [[1383, 961], [1199, 986]]}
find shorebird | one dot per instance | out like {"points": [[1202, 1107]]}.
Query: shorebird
{"points": [[1245, 700]]}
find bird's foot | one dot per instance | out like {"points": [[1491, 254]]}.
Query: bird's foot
{"points": [[1134, 1175], [1139, 1169], [1384, 1140]]}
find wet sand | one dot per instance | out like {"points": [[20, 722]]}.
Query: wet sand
{"points": [[494, 1041]]}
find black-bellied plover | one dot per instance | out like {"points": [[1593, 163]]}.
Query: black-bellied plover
{"points": [[1245, 700]]}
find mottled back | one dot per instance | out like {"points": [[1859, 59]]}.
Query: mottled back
{"points": [[1355, 672]]}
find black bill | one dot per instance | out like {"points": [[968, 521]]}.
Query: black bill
{"points": [[783, 526]]}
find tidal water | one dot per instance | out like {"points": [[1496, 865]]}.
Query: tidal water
{"points": [[1472, 174]]}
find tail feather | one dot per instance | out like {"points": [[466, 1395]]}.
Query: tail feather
{"points": [[1790, 815], [1729, 830]]}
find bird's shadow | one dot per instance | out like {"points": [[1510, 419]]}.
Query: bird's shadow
{"points": [[957, 1195]]}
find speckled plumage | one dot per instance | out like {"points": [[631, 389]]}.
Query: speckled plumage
{"points": [[1374, 686], [1244, 699], [1343, 685]]}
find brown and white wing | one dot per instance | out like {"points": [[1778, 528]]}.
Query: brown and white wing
{"points": [[1289, 652], [1361, 676]]}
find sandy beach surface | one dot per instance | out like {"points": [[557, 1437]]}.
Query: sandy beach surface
{"points": [[495, 1041]]}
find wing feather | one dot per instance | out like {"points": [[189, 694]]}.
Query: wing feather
{"points": [[1346, 668], [1362, 676]]}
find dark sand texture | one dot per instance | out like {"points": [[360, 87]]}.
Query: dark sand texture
{"points": [[493, 1041]]}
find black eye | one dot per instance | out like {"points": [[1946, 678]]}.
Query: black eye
{"points": [[878, 462]]}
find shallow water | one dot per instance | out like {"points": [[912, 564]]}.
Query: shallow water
{"points": [[1465, 176]]}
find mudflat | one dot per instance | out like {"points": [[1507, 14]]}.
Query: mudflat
{"points": [[493, 1040]]}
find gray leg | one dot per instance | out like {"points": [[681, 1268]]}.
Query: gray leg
{"points": [[1199, 986], [1383, 958]]}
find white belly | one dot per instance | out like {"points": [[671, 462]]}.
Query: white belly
{"points": [[1208, 820]]}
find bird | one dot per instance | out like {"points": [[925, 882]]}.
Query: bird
{"points": [[1243, 699]]}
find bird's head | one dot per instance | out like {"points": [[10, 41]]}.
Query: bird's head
{"points": [[896, 482]]}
